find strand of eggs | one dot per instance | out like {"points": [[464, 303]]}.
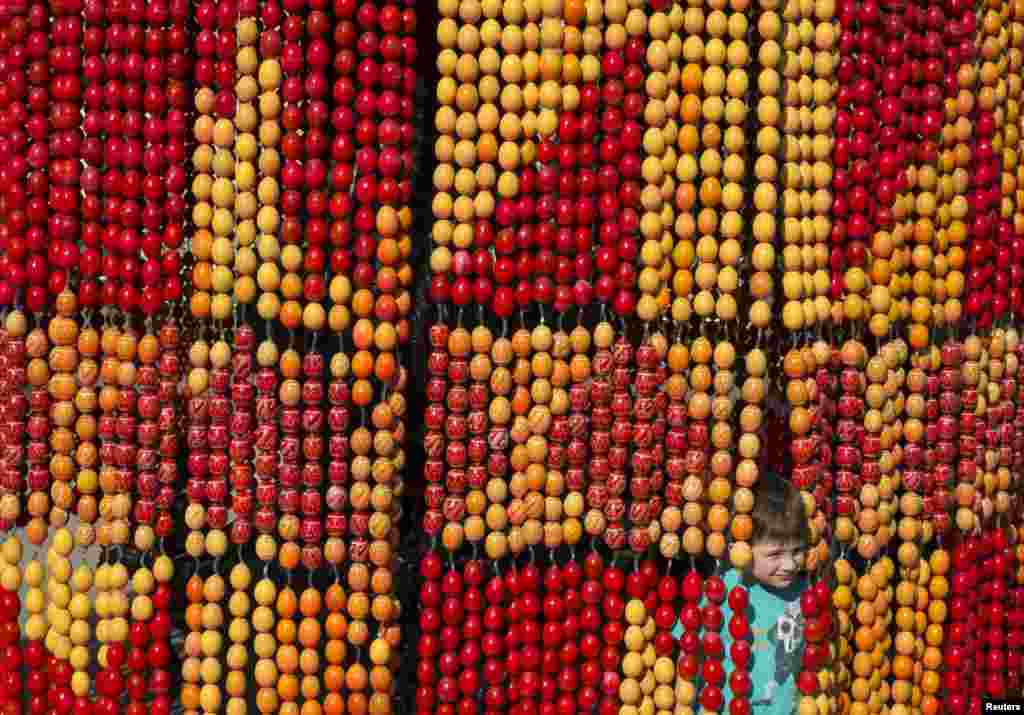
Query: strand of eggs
{"points": [[806, 63], [15, 413], [12, 682]]}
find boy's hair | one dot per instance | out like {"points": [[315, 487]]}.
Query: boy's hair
{"points": [[778, 513]]}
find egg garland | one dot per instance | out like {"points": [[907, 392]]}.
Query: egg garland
{"points": [[127, 377], [358, 606], [7, 514], [163, 156], [989, 679], [37, 127], [541, 500], [843, 605], [240, 449], [564, 486], [170, 409], [766, 171], [342, 153], [313, 449], [600, 490], [985, 220], [218, 439], [1009, 184], [800, 391], [265, 671], [203, 157], [289, 468], [66, 92], [960, 654], [109, 398], [968, 499], [266, 450], [590, 647], [429, 647], [582, 41], [810, 36], [752, 393], [895, 354], [13, 263], [871, 624], [853, 384], [34, 649], [335, 649], [699, 437], [461, 624], [647, 478], [1003, 368], [578, 447], [469, 678], [934, 635], [154, 636], [61, 589], [638, 682], [477, 422], [920, 200], [339, 417], [675, 388], [209, 641], [614, 258], [530, 428], [434, 440], [147, 435], [38, 429], [11, 679], [947, 426], [236, 658], [815, 680], [721, 463], [660, 135], [1013, 617], [853, 172], [457, 93], [712, 670], [455, 431], [15, 416], [197, 406], [310, 603], [499, 463], [269, 162], [525, 615], [293, 120], [976, 400], [613, 606], [550, 98], [868, 513], [112, 631], [954, 157]]}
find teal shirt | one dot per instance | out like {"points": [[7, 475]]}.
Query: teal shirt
{"points": [[777, 631]]}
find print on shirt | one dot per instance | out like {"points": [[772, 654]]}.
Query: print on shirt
{"points": [[787, 636]]}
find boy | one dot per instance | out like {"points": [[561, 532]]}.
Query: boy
{"points": [[774, 582]]}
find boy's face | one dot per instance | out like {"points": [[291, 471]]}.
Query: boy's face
{"points": [[777, 564]]}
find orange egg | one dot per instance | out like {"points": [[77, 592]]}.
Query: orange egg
{"points": [[336, 625], [362, 392], [334, 703], [356, 677], [288, 687], [362, 334], [385, 368], [285, 630], [309, 602], [309, 632]]}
